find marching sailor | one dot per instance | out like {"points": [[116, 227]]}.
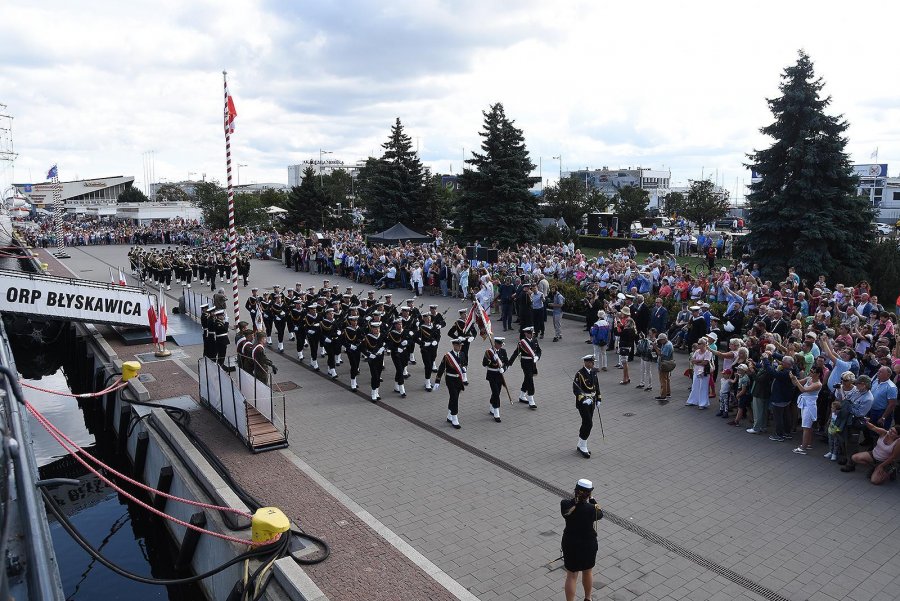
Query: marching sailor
{"points": [[459, 330], [352, 339], [313, 331], [373, 351], [454, 371], [529, 353], [586, 389], [428, 338], [496, 362], [400, 344]]}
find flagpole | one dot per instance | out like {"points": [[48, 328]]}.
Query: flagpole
{"points": [[57, 215], [232, 235]]}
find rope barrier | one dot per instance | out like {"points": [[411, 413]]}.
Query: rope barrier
{"points": [[118, 385], [75, 451]]}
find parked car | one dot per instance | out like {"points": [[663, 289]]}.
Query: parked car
{"points": [[884, 229]]}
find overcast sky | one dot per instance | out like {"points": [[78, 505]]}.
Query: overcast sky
{"points": [[669, 85]]}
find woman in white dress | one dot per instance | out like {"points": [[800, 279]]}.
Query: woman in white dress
{"points": [[416, 279], [701, 364], [809, 393]]}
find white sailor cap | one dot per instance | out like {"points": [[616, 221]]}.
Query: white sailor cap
{"points": [[694, 307], [206, 306], [528, 329], [220, 312], [410, 300], [458, 340], [375, 324], [313, 306], [329, 309], [396, 321], [432, 306], [463, 311], [584, 484], [353, 317], [499, 339], [388, 295], [620, 296], [588, 358]]}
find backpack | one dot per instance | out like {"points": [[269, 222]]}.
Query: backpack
{"points": [[599, 334], [643, 348]]}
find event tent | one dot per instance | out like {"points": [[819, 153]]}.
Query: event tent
{"points": [[397, 233]]}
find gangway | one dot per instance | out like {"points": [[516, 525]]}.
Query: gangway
{"points": [[72, 299]]}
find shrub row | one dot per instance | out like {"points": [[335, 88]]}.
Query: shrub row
{"points": [[640, 244]]}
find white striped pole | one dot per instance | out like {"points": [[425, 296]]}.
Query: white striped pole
{"points": [[232, 235]]}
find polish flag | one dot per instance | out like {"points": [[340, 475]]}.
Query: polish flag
{"points": [[230, 114], [162, 324], [122, 281], [151, 317]]}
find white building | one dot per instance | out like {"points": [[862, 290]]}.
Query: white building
{"points": [[881, 189], [609, 181], [323, 167], [77, 195]]}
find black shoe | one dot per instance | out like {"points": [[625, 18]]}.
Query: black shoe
{"points": [[532, 407], [850, 467], [585, 454], [555, 339], [497, 419], [402, 396], [457, 426], [523, 401]]}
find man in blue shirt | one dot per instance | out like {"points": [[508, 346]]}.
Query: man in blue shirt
{"points": [[885, 393]]}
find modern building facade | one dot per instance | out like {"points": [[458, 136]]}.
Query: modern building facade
{"points": [[609, 181], [79, 194], [323, 167]]}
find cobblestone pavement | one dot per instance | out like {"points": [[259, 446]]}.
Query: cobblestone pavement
{"points": [[703, 510]]}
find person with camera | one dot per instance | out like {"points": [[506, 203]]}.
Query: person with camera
{"points": [[579, 539]]}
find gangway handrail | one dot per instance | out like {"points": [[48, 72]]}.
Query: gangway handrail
{"points": [[42, 572], [62, 279]]}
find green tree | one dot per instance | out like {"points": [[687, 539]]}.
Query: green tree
{"points": [[391, 187], [273, 198], [132, 194], [804, 212], [570, 200], [703, 204], [307, 205], [212, 200], [884, 267], [631, 205], [673, 203], [495, 203], [171, 193]]}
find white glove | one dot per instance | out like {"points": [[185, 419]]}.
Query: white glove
{"points": [[310, 331], [502, 370], [338, 332], [537, 358], [436, 386], [371, 355], [587, 400], [352, 347], [434, 343], [380, 351], [328, 341], [404, 343], [470, 338]]}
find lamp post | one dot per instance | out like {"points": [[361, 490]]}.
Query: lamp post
{"points": [[239, 165], [559, 158], [321, 152]]}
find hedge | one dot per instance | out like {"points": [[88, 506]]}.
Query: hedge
{"points": [[640, 244]]}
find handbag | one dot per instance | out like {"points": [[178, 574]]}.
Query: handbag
{"points": [[667, 365]]}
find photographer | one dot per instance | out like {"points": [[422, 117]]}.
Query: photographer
{"points": [[579, 540]]}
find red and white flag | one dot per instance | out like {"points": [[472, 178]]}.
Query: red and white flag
{"points": [[258, 323], [470, 317], [484, 323], [112, 278], [230, 112], [151, 317], [122, 281], [162, 324]]}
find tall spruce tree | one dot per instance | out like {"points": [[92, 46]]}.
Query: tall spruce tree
{"points": [[495, 203], [392, 186], [805, 211], [307, 204]]}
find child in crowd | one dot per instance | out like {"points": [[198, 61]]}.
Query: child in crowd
{"points": [[834, 433]]}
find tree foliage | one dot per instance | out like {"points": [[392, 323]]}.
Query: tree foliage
{"points": [[883, 265], [495, 203], [132, 194], [805, 212], [171, 193], [570, 200], [307, 204], [631, 205], [391, 188], [673, 203], [212, 200], [703, 204]]}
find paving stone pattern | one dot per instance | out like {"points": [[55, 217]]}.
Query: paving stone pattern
{"points": [[794, 524]]}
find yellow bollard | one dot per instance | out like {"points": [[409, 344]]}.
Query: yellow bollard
{"points": [[130, 369], [267, 523]]}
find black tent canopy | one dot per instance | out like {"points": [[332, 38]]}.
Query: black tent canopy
{"points": [[398, 233]]}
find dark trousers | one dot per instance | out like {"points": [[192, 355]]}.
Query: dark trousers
{"points": [[781, 417], [399, 361], [496, 382], [528, 382], [454, 387], [313, 347], [300, 333], [587, 419], [429, 354], [268, 324], [353, 359], [506, 315], [537, 315], [376, 365], [279, 327]]}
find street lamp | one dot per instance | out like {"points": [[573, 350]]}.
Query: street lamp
{"points": [[321, 152], [559, 158], [239, 165]]}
